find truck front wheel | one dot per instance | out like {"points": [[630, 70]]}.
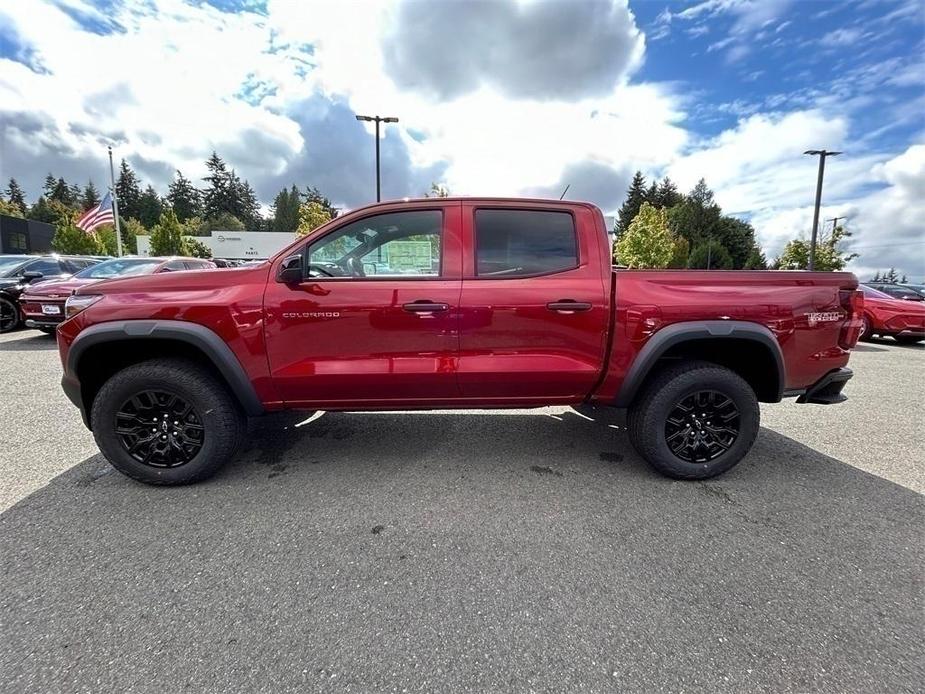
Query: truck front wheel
{"points": [[694, 420], [166, 421]]}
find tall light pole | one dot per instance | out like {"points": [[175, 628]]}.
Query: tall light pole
{"points": [[377, 120], [822, 154]]}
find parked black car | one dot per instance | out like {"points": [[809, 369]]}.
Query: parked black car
{"points": [[897, 291], [19, 271]]}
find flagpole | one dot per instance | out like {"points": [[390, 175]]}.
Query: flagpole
{"points": [[115, 204]]}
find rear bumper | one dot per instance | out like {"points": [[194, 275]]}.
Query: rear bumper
{"points": [[912, 332], [828, 389]]}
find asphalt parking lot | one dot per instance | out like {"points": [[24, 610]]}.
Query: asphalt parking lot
{"points": [[490, 551]]}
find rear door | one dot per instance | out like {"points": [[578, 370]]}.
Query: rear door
{"points": [[534, 306], [375, 322]]}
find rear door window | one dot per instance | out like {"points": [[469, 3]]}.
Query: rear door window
{"points": [[523, 243]]}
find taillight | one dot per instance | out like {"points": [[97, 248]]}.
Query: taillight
{"points": [[852, 300]]}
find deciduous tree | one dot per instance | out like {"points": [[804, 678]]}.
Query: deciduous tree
{"points": [[167, 235], [312, 215], [647, 242]]}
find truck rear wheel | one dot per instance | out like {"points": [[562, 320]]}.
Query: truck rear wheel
{"points": [[166, 421], [694, 420]]}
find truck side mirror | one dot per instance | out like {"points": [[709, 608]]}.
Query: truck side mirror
{"points": [[290, 270]]}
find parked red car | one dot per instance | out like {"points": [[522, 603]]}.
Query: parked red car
{"points": [[42, 304], [462, 303], [888, 316]]}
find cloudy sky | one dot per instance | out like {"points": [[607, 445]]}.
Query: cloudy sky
{"points": [[495, 97]]}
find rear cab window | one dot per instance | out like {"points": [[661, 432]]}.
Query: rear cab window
{"points": [[524, 243]]}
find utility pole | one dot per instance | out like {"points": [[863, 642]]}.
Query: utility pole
{"points": [[834, 221], [377, 120], [822, 154]]}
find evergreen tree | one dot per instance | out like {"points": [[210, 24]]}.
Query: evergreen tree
{"points": [[891, 276], [756, 260], [709, 255], [48, 188], [16, 196], [876, 277], [183, 197], [246, 205], [149, 208], [285, 211], [737, 237], [218, 197], [652, 194], [904, 279], [667, 194], [697, 217], [635, 196], [64, 193], [90, 197], [128, 190]]}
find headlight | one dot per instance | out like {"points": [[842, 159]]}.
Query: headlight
{"points": [[78, 302]]}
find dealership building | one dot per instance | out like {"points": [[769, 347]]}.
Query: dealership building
{"points": [[235, 245]]}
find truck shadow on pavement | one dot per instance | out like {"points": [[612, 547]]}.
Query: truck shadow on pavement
{"points": [[40, 342], [456, 551]]}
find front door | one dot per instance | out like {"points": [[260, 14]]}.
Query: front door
{"points": [[374, 322], [534, 307]]}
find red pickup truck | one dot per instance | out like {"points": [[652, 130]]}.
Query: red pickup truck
{"points": [[451, 303]]}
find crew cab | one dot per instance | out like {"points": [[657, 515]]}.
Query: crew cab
{"points": [[451, 303]]}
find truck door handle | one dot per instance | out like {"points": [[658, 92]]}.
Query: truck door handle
{"points": [[568, 306], [424, 306]]}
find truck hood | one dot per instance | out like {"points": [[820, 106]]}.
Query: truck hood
{"points": [[180, 281], [58, 288]]}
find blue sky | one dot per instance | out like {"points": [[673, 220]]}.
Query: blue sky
{"points": [[497, 97]]}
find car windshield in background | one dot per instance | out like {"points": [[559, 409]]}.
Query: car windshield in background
{"points": [[120, 267], [10, 264], [875, 293]]}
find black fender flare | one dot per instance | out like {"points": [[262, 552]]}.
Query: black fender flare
{"points": [[687, 331], [199, 336]]}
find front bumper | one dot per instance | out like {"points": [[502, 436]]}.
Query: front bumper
{"points": [[42, 323], [827, 390]]}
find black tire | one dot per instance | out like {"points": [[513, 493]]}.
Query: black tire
{"points": [[865, 335], [9, 315], [215, 423], [907, 339], [648, 420]]}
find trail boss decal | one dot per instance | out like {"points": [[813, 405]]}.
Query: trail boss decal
{"points": [[815, 318]]}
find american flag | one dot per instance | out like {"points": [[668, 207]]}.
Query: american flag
{"points": [[97, 216]]}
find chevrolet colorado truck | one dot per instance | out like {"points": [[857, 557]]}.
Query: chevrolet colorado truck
{"points": [[451, 303]]}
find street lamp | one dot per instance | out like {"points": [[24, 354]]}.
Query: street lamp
{"points": [[377, 120], [822, 154]]}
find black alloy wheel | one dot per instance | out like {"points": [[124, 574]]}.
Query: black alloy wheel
{"points": [[159, 428], [702, 426], [9, 315]]}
